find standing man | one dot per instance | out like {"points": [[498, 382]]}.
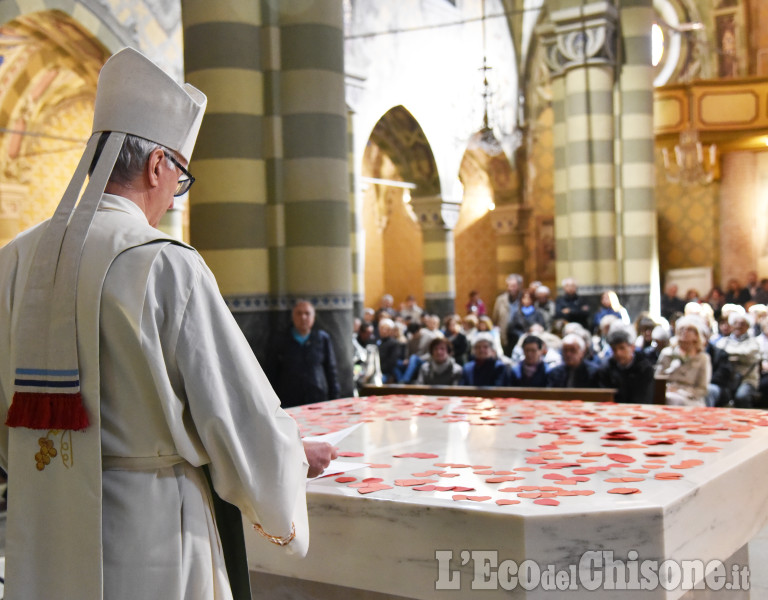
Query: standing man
{"points": [[505, 306], [670, 303], [124, 374], [569, 305], [303, 366]]}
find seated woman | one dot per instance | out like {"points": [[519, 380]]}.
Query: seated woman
{"points": [[526, 315], [609, 305], [391, 349], [485, 325], [485, 369], [469, 329], [441, 368], [456, 336], [685, 365]]}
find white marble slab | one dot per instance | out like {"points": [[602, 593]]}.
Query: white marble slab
{"points": [[386, 541]]}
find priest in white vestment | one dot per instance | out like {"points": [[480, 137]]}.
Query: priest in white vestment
{"points": [[123, 374]]}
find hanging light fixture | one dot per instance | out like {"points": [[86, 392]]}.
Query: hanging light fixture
{"points": [[690, 167], [485, 140]]}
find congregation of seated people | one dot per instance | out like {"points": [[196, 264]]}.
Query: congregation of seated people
{"points": [[710, 350]]}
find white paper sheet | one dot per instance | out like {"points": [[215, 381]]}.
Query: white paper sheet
{"points": [[332, 438], [336, 467]]}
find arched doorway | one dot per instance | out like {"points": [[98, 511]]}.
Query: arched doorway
{"points": [[398, 168]]}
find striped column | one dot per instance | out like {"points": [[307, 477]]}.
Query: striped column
{"points": [[590, 176], [580, 51], [636, 200], [223, 55], [270, 213], [315, 174], [560, 182], [437, 218]]}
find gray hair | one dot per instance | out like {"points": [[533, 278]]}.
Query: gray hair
{"points": [[132, 158], [575, 338], [619, 336], [483, 337]]}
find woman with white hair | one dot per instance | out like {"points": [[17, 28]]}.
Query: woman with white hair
{"points": [[685, 365], [744, 354]]}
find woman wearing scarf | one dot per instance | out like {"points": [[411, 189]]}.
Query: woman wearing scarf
{"points": [[441, 368]]}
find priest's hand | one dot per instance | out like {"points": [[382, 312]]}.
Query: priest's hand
{"points": [[319, 456]]}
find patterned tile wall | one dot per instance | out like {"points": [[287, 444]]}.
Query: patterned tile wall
{"points": [[688, 221]]}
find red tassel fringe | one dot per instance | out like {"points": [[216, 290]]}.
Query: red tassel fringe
{"points": [[47, 411]]}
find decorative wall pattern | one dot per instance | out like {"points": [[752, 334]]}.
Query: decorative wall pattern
{"points": [[51, 56], [51, 162], [688, 225]]}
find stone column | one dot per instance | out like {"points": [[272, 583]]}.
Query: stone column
{"points": [[604, 205], [224, 55], [636, 202], [318, 264], [274, 143], [438, 218], [172, 223], [580, 45]]}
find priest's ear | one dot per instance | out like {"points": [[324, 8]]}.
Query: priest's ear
{"points": [[154, 168]]}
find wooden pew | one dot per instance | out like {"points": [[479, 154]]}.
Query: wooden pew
{"points": [[527, 393]]}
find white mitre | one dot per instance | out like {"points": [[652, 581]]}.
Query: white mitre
{"points": [[135, 96]]}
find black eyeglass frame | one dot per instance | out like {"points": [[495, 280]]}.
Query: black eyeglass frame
{"points": [[182, 187]]}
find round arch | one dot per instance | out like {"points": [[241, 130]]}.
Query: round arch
{"points": [[398, 166]]}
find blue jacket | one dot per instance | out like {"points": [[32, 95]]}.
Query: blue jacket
{"points": [[584, 377], [488, 373], [518, 379], [304, 373]]}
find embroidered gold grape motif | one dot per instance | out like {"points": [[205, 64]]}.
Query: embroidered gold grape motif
{"points": [[47, 452]]}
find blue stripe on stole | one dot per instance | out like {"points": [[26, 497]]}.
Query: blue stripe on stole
{"points": [[44, 383]]}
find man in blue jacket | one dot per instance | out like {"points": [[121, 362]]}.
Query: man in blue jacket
{"points": [[575, 372], [303, 364], [532, 370]]}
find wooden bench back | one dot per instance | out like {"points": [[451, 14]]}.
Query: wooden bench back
{"points": [[528, 393]]}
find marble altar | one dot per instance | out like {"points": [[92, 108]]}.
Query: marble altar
{"points": [[469, 496]]}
